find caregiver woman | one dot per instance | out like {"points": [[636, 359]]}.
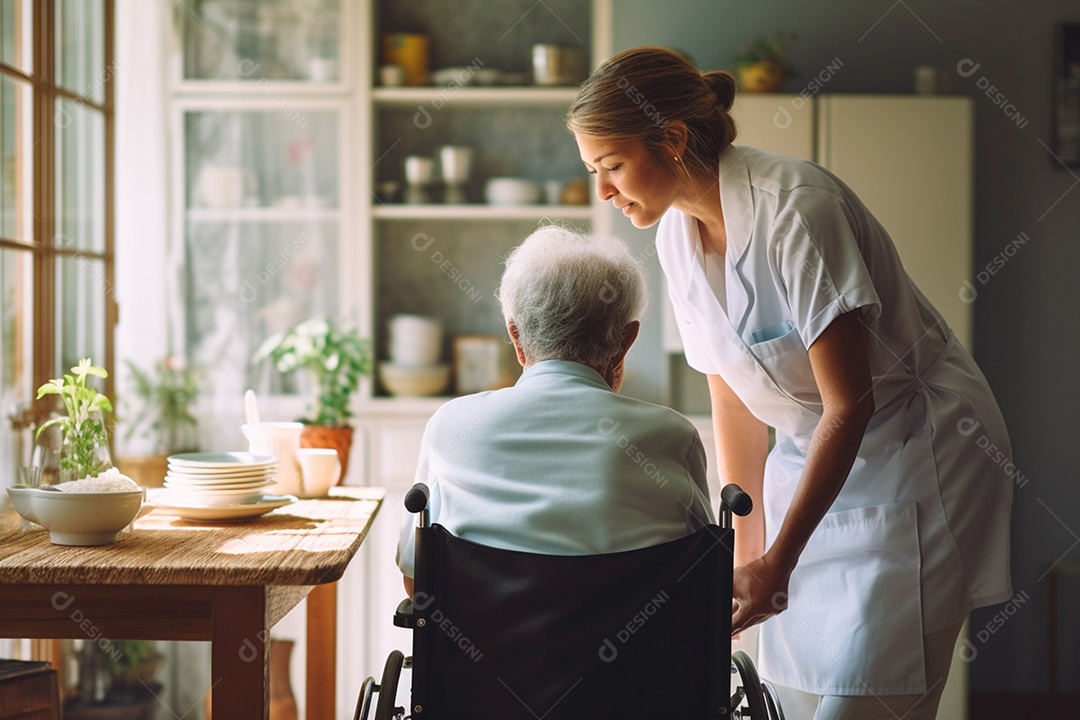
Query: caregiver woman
{"points": [[885, 523]]}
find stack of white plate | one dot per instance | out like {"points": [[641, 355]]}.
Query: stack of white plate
{"points": [[219, 479]]}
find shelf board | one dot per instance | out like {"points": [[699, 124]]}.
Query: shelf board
{"points": [[481, 212], [556, 96], [262, 214]]}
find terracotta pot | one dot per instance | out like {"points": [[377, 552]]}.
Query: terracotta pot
{"points": [[763, 76], [324, 436], [147, 470]]}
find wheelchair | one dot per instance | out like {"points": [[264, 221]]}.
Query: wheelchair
{"points": [[501, 634]]}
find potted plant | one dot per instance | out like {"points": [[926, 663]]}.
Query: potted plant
{"points": [[84, 442], [165, 395], [762, 65], [336, 359]]}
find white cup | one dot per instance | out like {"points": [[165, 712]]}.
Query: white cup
{"points": [[419, 170], [415, 340], [454, 163], [320, 469], [281, 439]]}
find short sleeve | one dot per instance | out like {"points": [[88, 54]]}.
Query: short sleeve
{"points": [[699, 510], [820, 263], [406, 552]]}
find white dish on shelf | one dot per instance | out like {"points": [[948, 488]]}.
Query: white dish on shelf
{"points": [[236, 511], [414, 380], [221, 461], [512, 191]]}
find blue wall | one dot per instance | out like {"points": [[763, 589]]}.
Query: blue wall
{"points": [[1026, 326]]}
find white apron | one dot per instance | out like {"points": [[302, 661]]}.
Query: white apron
{"points": [[919, 533]]}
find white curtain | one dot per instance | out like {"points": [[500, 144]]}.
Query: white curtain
{"points": [[145, 275]]}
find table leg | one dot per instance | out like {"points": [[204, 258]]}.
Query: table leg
{"points": [[321, 652], [239, 662]]}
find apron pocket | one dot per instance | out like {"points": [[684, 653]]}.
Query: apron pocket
{"points": [[854, 620]]}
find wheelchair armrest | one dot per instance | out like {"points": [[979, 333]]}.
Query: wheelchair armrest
{"points": [[403, 616]]}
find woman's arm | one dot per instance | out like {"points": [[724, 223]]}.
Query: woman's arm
{"points": [[840, 362], [742, 443]]}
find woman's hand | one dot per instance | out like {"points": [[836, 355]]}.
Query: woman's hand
{"points": [[759, 590]]}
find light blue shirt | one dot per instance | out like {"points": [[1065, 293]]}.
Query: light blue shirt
{"points": [[560, 464]]}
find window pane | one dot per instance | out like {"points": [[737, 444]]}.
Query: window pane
{"points": [[248, 280], [80, 177], [16, 31], [16, 160], [16, 358], [285, 158], [257, 40], [80, 311], [80, 47]]}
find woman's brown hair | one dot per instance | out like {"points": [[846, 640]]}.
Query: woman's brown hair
{"points": [[637, 93]]}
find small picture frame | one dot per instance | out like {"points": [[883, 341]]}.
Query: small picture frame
{"points": [[1066, 91], [483, 362]]}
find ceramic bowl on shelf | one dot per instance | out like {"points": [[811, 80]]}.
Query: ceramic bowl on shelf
{"points": [[512, 191], [77, 518], [414, 380]]}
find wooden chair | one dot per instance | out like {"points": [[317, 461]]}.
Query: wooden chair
{"points": [[29, 691]]}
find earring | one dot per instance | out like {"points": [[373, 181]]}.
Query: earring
{"points": [[676, 157]]}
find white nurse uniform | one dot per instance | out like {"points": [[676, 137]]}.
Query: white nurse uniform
{"points": [[919, 534]]}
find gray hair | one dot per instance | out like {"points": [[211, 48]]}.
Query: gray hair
{"points": [[571, 295]]}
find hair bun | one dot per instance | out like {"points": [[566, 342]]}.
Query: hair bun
{"points": [[722, 83]]}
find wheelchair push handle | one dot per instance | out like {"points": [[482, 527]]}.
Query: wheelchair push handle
{"points": [[416, 501], [733, 500]]}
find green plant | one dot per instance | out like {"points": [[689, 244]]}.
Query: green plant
{"points": [[83, 428], [765, 49], [336, 358], [167, 392]]}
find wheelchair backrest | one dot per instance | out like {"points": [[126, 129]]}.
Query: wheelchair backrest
{"points": [[637, 634]]}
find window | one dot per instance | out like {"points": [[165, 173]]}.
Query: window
{"points": [[56, 245]]}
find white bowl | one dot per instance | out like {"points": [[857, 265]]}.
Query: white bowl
{"points": [[414, 380], [77, 518], [512, 191]]}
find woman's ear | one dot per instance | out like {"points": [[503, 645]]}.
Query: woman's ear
{"points": [[676, 135]]}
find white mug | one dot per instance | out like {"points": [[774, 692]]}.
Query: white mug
{"points": [[320, 470], [281, 439]]}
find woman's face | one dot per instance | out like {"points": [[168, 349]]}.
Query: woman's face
{"points": [[629, 176]]}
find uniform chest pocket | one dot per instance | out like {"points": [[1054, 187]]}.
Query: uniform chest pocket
{"points": [[782, 355]]}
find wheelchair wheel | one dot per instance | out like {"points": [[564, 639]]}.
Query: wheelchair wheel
{"points": [[385, 709], [772, 702], [749, 690]]}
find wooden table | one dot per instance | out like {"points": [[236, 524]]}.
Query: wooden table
{"points": [[171, 579]]}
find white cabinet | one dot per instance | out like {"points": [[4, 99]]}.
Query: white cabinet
{"points": [[909, 159]]}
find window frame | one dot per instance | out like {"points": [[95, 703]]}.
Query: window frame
{"points": [[46, 92]]}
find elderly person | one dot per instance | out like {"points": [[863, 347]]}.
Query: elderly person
{"points": [[560, 463]]}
